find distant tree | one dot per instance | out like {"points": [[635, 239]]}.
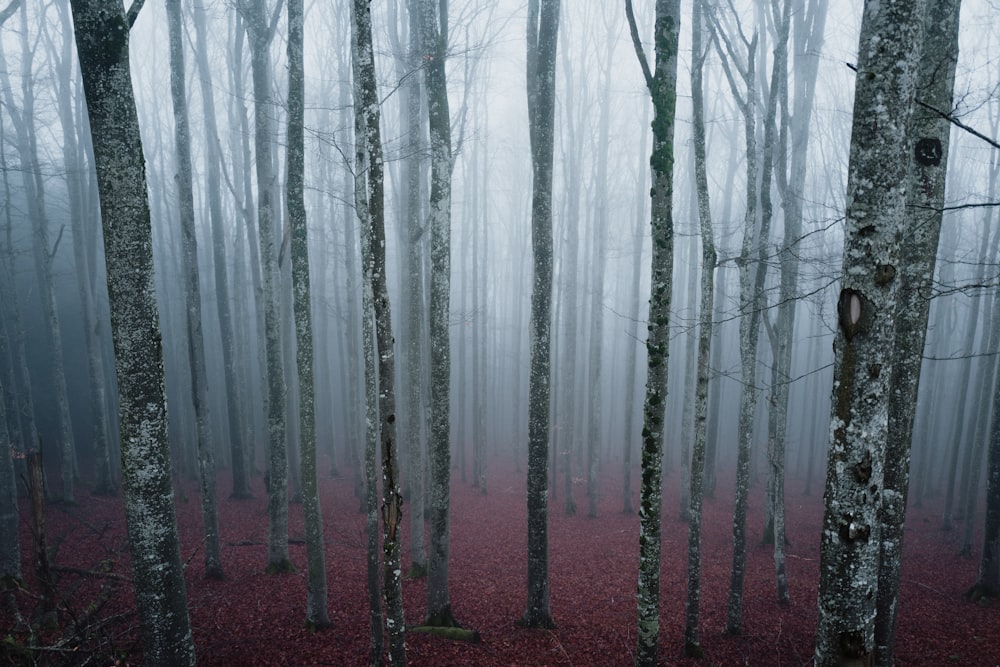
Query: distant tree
{"points": [[366, 102], [988, 580], [542, 36], [84, 220], [239, 459], [23, 117], [10, 542], [662, 84], [316, 612], [260, 32], [102, 41], [929, 139], [192, 293], [888, 59]]}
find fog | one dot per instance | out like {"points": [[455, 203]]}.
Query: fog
{"points": [[601, 230]]}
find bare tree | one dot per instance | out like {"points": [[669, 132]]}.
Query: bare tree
{"points": [[366, 103], [662, 84], [889, 53], [542, 37], [316, 613], [260, 29], [102, 41]]}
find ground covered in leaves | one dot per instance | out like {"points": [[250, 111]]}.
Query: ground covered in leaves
{"points": [[255, 618]]}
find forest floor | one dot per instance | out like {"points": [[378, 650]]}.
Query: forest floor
{"points": [[252, 618]]}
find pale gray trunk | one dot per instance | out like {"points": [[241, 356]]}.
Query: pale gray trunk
{"points": [[925, 192], [598, 261], [367, 103], [709, 259], [662, 85], [864, 374], [439, 220], [102, 44], [752, 271], [316, 612], [371, 466], [569, 287], [259, 34], [213, 191], [192, 294], [809, 26], [542, 38]]}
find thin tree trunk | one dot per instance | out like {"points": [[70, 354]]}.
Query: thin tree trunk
{"points": [[316, 593], [260, 34], [662, 85]]}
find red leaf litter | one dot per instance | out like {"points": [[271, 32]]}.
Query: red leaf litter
{"points": [[252, 618]]}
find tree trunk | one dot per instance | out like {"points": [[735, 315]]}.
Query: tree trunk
{"points": [[925, 201], [316, 612], [366, 102], [260, 34], [192, 294], [439, 219], [102, 44], [213, 191], [542, 36], [864, 373], [662, 84], [709, 259]]}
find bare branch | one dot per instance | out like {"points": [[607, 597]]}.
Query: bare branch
{"points": [[9, 10], [133, 12], [637, 43]]}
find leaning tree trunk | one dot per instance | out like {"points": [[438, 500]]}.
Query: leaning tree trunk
{"points": [[542, 36], [316, 612], [102, 31], [367, 103], [925, 202], [662, 84], [889, 51]]}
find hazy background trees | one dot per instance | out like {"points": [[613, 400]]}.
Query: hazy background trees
{"points": [[601, 247]]}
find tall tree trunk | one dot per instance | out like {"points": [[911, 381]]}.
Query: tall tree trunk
{"points": [[925, 192], [662, 84], [192, 294], [366, 102], [260, 33], [542, 37], [102, 31], [709, 259], [864, 369], [239, 464], [809, 27], [439, 220], [316, 612]]}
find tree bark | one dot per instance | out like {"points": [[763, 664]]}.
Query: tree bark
{"points": [[542, 35], [366, 102], [102, 43], [889, 51], [662, 84]]}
